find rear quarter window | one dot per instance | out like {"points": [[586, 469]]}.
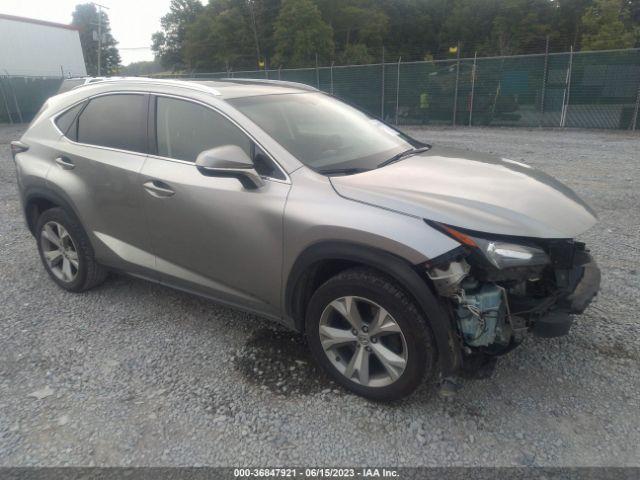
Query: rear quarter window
{"points": [[66, 120]]}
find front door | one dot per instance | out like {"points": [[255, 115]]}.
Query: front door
{"points": [[210, 235]]}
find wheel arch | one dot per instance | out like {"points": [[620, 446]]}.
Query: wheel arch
{"points": [[37, 200], [321, 261]]}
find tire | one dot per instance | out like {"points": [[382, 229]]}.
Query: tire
{"points": [[73, 266], [372, 293]]}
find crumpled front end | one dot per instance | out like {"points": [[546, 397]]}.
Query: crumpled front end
{"points": [[498, 289]]}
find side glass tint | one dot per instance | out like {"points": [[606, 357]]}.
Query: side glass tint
{"points": [[116, 121], [265, 166], [184, 129], [65, 121]]}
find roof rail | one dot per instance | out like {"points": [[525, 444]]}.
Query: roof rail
{"points": [[155, 81], [260, 81]]}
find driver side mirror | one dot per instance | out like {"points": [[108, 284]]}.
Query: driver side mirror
{"points": [[229, 161]]}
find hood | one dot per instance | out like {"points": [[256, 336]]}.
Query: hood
{"points": [[473, 191]]}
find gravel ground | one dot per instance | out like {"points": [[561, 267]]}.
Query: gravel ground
{"points": [[133, 373]]}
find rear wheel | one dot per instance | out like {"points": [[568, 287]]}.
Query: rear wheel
{"points": [[369, 336], [66, 252]]}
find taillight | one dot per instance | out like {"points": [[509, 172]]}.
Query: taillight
{"points": [[18, 147]]}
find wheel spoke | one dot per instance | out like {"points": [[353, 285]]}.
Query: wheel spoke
{"points": [[393, 363], [62, 233], [52, 256], [359, 366], [383, 323], [347, 307], [73, 258], [51, 236], [66, 269], [332, 337]]}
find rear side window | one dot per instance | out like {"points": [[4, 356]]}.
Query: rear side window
{"points": [[67, 119], [184, 129], [115, 121]]}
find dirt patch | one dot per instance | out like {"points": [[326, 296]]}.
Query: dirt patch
{"points": [[281, 361]]}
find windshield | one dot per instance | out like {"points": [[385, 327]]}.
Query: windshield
{"points": [[324, 133]]}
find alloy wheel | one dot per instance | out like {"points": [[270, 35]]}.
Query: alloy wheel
{"points": [[59, 251], [363, 341]]}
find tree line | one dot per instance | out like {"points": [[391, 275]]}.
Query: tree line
{"points": [[226, 35], [250, 34]]}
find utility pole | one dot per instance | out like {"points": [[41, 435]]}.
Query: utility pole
{"points": [[100, 7], [255, 33]]}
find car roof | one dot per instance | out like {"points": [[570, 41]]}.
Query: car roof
{"points": [[225, 88]]}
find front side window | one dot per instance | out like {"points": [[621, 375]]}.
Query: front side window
{"points": [[185, 129], [322, 132], [115, 121]]}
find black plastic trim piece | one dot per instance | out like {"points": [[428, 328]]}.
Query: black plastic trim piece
{"points": [[152, 139], [447, 257], [554, 324], [586, 289], [41, 193]]}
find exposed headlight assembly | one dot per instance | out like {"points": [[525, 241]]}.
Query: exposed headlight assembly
{"points": [[507, 255], [501, 254]]}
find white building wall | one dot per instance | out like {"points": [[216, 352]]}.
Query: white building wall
{"points": [[32, 49]]}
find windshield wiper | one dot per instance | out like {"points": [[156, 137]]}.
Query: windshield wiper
{"points": [[342, 171], [401, 155]]}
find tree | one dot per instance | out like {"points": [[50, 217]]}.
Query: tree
{"points": [[242, 34], [300, 34], [141, 68], [168, 44], [565, 22], [519, 27], [355, 22], [220, 38], [607, 25], [414, 27], [355, 54], [86, 18]]}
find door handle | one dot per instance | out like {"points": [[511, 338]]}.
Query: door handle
{"points": [[158, 189], [65, 162]]}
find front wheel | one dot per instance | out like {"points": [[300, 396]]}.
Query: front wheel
{"points": [[369, 336]]}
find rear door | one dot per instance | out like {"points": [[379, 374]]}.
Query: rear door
{"points": [[210, 234], [97, 167]]}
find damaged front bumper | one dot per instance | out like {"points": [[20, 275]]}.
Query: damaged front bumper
{"points": [[586, 289], [493, 308], [557, 322]]}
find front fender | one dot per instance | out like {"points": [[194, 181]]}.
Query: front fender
{"points": [[395, 267]]}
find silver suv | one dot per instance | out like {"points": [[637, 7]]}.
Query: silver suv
{"points": [[398, 260]]}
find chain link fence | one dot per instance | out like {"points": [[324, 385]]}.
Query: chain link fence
{"points": [[571, 89], [22, 97]]}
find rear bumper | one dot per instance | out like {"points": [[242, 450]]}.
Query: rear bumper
{"points": [[557, 322]]}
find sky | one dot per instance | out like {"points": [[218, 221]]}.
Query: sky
{"points": [[132, 21]]}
